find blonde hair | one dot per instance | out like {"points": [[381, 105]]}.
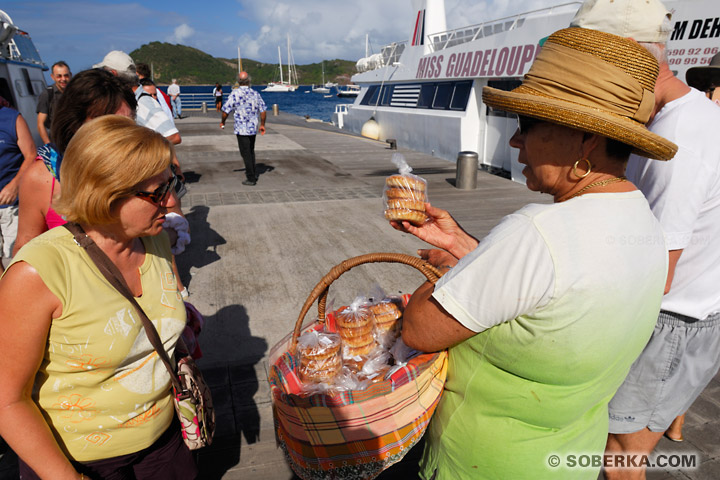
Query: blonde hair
{"points": [[104, 161]]}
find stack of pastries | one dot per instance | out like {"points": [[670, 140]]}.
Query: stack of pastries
{"points": [[405, 197], [355, 326], [319, 359], [386, 316], [360, 348]]}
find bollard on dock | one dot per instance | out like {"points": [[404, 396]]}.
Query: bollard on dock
{"points": [[276, 110], [466, 173], [204, 107]]}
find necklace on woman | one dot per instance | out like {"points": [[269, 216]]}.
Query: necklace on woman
{"points": [[600, 183]]}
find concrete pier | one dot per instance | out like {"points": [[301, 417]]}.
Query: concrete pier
{"points": [[257, 251]]}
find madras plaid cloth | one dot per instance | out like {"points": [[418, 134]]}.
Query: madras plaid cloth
{"points": [[355, 434]]}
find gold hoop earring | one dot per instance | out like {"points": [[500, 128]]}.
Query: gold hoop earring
{"points": [[589, 168]]}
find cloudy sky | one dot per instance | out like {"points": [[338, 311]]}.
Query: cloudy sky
{"points": [[81, 32]]}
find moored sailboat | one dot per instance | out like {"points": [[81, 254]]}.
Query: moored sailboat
{"points": [[323, 88], [282, 86]]}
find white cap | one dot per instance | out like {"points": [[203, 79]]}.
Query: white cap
{"points": [[118, 61], [641, 20]]}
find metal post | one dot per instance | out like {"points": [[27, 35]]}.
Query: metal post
{"points": [[276, 109], [466, 173], [204, 107]]}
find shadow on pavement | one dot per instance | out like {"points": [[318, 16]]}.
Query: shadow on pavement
{"points": [[234, 386], [202, 249]]}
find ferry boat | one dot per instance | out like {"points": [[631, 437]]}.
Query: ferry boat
{"points": [[426, 93], [21, 72]]}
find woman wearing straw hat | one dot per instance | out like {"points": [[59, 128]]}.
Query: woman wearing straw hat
{"points": [[545, 315]]}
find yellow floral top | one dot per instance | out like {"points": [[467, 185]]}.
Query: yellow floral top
{"points": [[101, 386]]}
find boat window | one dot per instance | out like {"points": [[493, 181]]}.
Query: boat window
{"points": [[386, 95], [442, 96], [433, 95], [427, 94], [371, 95], [28, 82], [506, 85], [26, 48], [461, 95], [38, 87]]}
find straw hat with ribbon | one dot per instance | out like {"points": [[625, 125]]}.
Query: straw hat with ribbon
{"points": [[704, 78], [594, 82]]}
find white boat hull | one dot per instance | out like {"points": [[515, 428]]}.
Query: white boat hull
{"points": [[276, 87]]}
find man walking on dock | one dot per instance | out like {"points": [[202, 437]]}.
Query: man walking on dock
{"points": [[247, 107]]}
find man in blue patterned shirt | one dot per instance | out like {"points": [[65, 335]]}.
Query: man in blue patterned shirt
{"points": [[247, 107]]}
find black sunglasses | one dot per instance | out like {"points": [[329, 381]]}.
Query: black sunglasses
{"points": [[525, 124], [159, 194]]}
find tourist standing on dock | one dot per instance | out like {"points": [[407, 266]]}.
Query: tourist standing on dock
{"points": [[174, 91], [84, 394], [90, 94], [149, 112], [143, 72], [218, 94], [247, 107], [17, 153], [544, 317], [683, 354], [60, 73]]}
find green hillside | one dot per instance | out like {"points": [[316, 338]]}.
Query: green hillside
{"points": [[194, 67]]}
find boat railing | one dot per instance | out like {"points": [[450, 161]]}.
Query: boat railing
{"points": [[451, 38], [194, 101], [391, 53], [338, 118]]}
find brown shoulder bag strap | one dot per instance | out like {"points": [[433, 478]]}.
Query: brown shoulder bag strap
{"points": [[113, 275]]}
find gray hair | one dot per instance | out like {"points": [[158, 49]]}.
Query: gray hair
{"points": [[245, 82], [657, 50]]}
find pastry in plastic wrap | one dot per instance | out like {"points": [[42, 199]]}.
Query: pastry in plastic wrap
{"points": [[405, 197], [355, 326], [386, 315], [319, 359]]}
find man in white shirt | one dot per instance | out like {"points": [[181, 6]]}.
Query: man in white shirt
{"points": [[149, 113], [683, 354], [174, 92]]}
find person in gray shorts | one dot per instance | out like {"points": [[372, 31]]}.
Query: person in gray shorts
{"points": [[683, 354]]}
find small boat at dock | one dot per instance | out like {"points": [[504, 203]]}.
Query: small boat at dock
{"points": [[348, 91]]}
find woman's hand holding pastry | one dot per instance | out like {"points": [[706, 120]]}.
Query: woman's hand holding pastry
{"points": [[441, 231]]}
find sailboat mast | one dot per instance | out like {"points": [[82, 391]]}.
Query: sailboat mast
{"points": [[239, 62], [280, 62], [289, 74]]}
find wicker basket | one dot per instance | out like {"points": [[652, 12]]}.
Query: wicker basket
{"points": [[355, 434]]}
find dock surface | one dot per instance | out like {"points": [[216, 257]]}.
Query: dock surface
{"points": [[257, 252]]}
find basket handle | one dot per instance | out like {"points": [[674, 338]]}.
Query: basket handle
{"points": [[320, 292]]}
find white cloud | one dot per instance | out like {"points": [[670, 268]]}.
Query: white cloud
{"points": [[327, 29], [182, 34]]}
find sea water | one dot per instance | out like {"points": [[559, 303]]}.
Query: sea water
{"points": [[301, 102]]}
